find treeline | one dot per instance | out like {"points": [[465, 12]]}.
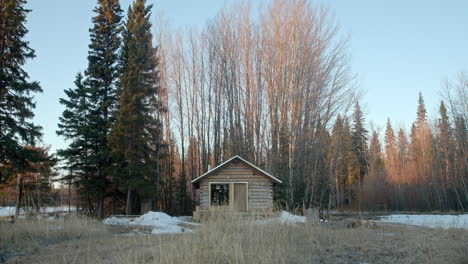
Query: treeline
{"points": [[265, 88], [143, 120], [425, 169], [277, 90]]}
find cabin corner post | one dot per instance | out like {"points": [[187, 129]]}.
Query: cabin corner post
{"points": [[231, 195]]}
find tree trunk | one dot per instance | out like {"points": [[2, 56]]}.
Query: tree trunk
{"points": [[129, 202], [101, 206], [20, 194]]}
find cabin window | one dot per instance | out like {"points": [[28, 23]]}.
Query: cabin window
{"points": [[219, 194]]}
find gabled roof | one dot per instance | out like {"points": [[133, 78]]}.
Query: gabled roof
{"points": [[243, 160]]}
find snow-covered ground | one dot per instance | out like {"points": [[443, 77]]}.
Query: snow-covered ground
{"points": [[10, 210], [288, 218], [161, 223], [57, 209], [428, 220]]}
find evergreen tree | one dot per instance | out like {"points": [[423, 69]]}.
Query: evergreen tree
{"points": [[375, 187], [402, 147], [445, 140], [91, 106], [422, 143], [16, 101], [360, 136], [390, 149], [338, 158], [102, 76], [136, 135], [350, 162], [31, 161], [421, 113], [74, 126]]}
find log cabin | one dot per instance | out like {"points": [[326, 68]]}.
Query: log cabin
{"points": [[235, 185]]}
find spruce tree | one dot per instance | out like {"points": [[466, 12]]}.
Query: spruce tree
{"points": [[91, 106], [102, 76], [16, 100], [421, 114], [360, 136], [390, 146], [445, 144], [136, 135], [350, 163], [74, 127]]}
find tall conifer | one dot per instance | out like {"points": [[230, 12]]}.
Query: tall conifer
{"points": [[136, 135], [360, 136], [74, 126], [102, 76], [91, 106], [16, 100]]}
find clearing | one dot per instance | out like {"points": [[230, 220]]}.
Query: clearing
{"points": [[160, 238]]}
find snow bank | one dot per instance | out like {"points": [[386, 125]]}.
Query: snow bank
{"points": [[434, 221], [291, 219], [161, 223], [9, 210], [156, 219]]}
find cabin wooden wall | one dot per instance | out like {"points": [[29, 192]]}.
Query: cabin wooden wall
{"points": [[260, 187]]}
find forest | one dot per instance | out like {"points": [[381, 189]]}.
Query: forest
{"points": [[157, 107]]}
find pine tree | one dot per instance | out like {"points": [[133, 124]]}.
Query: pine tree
{"points": [[16, 101], [101, 77], [136, 135]]}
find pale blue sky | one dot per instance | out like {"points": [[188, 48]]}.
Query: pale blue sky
{"points": [[398, 48]]}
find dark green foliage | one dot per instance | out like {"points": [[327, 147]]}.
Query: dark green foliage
{"points": [[16, 99], [136, 136], [74, 126], [102, 76], [421, 112], [91, 106], [360, 137]]}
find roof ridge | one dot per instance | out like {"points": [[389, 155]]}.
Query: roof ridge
{"points": [[242, 159]]}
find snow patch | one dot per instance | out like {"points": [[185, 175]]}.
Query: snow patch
{"points": [[291, 219], [433, 221], [57, 209], [161, 223], [156, 219], [9, 210], [117, 221]]}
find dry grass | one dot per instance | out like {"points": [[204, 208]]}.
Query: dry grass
{"points": [[232, 239]]}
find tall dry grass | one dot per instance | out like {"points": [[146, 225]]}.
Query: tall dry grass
{"points": [[30, 235], [225, 238]]}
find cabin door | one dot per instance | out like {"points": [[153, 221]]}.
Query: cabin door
{"points": [[240, 196]]}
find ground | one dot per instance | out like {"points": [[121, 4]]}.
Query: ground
{"points": [[231, 239]]}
